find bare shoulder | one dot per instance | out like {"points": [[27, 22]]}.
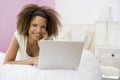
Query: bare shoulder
{"points": [[13, 47]]}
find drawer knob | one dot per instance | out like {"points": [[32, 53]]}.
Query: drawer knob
{"points": [[113, 55]]}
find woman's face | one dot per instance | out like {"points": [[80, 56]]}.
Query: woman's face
{"points": [[37, 28]]}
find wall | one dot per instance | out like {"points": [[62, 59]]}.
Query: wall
{"points": [[85, 11], [8, 12]]}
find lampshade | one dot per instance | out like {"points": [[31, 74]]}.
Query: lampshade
{"points": [[106, 15], [107, 30]]}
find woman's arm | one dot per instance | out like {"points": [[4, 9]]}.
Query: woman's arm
{"points": [[12, 52]]}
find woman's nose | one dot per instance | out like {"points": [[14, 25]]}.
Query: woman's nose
{"points": [[39, 30]]}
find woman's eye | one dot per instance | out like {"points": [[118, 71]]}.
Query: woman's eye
{"points": [[43, 27], [34, 25]]}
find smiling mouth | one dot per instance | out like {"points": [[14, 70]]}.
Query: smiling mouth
{"points": [[38, 36]]}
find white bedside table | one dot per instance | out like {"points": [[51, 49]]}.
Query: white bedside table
{"points": [[109, 58]]}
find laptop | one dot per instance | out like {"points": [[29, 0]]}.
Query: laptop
{"points": [[60, 54]]}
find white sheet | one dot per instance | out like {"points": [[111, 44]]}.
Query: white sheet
{"points": [[89, 70]]}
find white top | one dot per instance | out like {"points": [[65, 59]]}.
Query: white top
{"points": [[22, 54]]}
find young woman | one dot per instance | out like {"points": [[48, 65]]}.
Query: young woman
{"points": [[34, 23]]}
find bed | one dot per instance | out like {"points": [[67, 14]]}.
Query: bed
{"points": [[89, 69]]}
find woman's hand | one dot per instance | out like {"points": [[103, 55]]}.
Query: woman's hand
{"points": [[34, 60], [45, 36]]}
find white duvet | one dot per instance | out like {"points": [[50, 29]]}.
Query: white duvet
{"points": [[89, 69]]}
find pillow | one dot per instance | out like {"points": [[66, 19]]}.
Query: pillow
{"points": [[66, 36], [77, 36], [81, 36]]}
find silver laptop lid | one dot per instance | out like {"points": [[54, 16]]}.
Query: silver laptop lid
{"points": [[60, 54]]}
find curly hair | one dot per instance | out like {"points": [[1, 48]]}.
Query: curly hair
{"points": [[29, 11]]}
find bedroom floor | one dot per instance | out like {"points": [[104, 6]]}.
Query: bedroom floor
{"points": [[109, 79]]}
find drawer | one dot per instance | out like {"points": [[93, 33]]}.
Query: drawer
{"points": [[110, 62], [110, 56]]}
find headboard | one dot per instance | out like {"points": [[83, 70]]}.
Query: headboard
{"points": [[79, 32]]}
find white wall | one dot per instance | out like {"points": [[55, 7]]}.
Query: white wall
{"points": [[85, 11]]}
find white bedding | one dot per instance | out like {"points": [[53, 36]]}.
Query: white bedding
{"points": [[89, 70]]}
